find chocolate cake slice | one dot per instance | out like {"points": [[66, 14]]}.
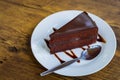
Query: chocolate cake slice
{"points": [[79, 32]]}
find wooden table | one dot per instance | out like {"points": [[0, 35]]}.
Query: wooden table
{"points": [[18, 18]]}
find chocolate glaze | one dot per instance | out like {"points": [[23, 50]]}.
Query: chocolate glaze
{"points": [[61, 61], [72, 55], [101, 39], [82, 48], [88, 46], [54, 29], [85, 48], [47, 42]]}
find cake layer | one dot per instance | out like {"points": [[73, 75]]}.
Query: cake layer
{"points": [[80, 34], [60, 43], [71, 45]]}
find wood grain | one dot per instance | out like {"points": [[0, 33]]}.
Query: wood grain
{"points": [[18, 18]]}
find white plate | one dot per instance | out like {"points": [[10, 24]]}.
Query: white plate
{"points": [[56, 20]]}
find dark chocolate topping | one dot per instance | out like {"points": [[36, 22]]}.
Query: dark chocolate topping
{"points": [[80, 22]]}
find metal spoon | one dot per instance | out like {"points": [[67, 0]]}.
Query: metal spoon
{"points": [[87, 54]]}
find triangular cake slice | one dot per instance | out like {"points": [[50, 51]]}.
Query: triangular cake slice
{"points": [[79, 32]]}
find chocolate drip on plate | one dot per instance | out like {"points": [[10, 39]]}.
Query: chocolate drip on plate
{"points": [[47, 42], [54, 29], [61, 61], [72, 55], [101, 39], [82, 48]]}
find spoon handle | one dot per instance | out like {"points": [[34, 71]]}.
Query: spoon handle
{"points": [[59, 67]]}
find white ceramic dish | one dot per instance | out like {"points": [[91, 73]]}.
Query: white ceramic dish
{"points": [[56, 20]]}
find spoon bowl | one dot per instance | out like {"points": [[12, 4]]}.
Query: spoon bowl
{"points": [[90, 53]]}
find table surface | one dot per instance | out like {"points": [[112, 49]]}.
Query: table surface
{"points": [[18, 18]]}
